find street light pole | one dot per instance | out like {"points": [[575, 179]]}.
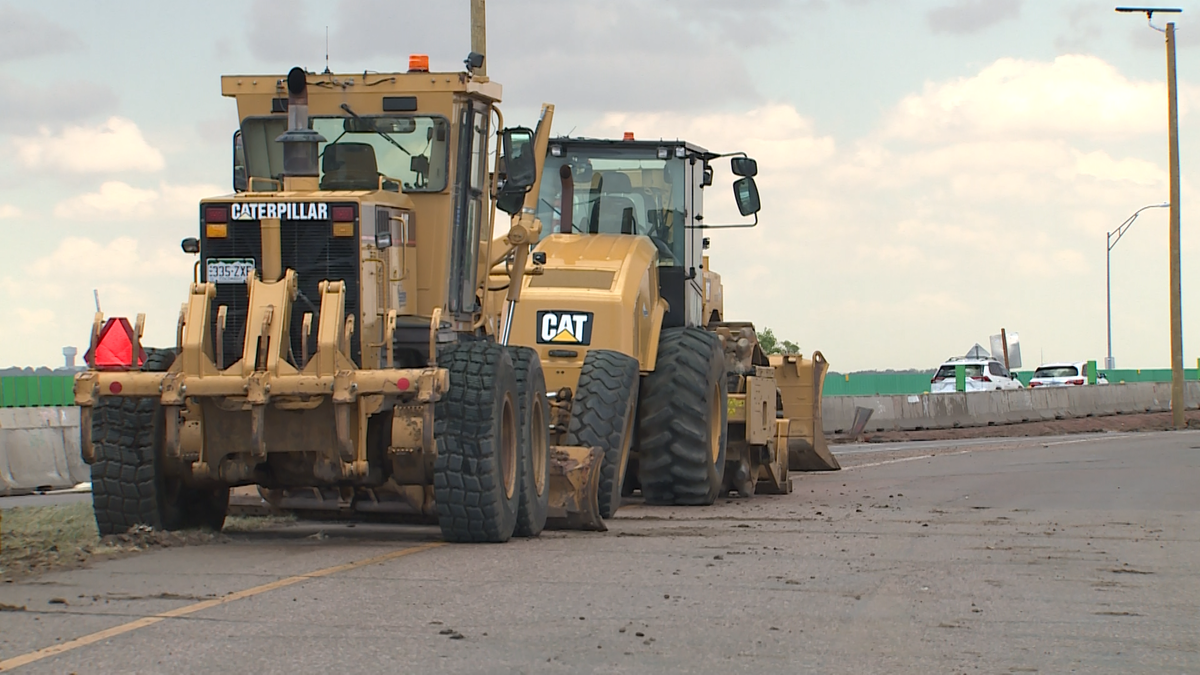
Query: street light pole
{"points": [[1177, 391], [1109, 363], [1177, 396]]}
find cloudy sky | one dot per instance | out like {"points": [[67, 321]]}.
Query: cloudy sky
{"points": [[931, 170]]}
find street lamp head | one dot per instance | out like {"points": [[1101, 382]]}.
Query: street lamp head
{"points": [[1149, 11]]}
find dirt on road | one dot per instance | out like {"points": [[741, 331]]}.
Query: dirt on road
{"points": [[38, 539]]}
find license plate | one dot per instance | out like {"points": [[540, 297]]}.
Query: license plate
{"points": [[228, 271]]}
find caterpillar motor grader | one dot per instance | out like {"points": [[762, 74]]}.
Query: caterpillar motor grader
{"points": [[684, 404], [333, 350]]}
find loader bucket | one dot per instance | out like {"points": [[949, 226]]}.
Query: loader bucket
{"points": [[575, 488], [801, 384]]}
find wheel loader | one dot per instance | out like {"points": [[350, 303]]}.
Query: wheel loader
{"points": [[333, 350], [684, 405]]}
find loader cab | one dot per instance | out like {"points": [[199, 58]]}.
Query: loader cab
{"points": [[648, 188]]}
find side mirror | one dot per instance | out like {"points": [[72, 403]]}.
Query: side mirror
{"points": [[519, 166], [707, 179], [744, 166], [240, 178], [745, 192], [190, 245]]}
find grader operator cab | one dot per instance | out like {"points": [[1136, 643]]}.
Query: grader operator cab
{"points": [[685, 405], [333, 350]]}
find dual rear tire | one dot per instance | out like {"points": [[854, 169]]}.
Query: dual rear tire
{"points": [[491, 475]]}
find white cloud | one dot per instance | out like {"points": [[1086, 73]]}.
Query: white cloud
{"points": [[9, 211], [970, 208], [1074, 95], [115, 145], [52, 295], [120, 201], [776, 134], [1101, 165]]}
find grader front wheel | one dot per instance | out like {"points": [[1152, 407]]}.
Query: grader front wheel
{"points": [[130, 485], [477, 471]]}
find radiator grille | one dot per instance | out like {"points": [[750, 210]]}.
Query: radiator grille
{"points": [[309, 248]]}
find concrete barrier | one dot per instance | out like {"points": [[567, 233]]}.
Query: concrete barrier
{"points": [[39, 449], [944, 411]]}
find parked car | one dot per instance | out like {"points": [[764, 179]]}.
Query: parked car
{"points": [[983, 374], [1064, 375]]}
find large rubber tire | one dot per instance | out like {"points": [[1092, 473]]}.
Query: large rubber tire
{"points": [[533, 496], [129, 485], [682, 420], [604, 414], [476, 425]]}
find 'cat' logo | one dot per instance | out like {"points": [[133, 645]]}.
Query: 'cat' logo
{"points": [[562, 327]]}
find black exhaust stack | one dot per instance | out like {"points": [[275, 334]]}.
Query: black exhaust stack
{"points": [[299, 142]]}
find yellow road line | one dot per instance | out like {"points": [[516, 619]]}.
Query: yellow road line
{"points": [[26, 659]]}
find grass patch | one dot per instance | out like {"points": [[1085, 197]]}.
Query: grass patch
{"points": [[38, 537]]}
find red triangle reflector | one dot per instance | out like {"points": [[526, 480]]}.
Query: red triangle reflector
{"points": [[114, 349]]}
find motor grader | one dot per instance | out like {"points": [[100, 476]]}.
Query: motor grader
{"points": [[333, 349], [684, 405]]}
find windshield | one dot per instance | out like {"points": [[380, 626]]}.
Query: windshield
{"points": [[1056, 371], [411, 151], [619, 191], [972, 370]]}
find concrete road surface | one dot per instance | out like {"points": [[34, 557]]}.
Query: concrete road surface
{"points": [[1043, 555]]}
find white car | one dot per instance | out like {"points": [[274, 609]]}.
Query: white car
{"points": [[1064, 375], [982, 375]]}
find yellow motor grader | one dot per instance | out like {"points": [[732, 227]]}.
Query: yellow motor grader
{"points": [[333, 349], [683, 404]]}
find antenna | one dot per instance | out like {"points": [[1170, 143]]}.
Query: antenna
{"points": [[327, 71], [96, 296]]}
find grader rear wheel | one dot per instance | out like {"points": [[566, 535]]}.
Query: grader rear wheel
{"points": [[682, 430], [603, 413], [476, 474], [129, 483], [533, 501]]}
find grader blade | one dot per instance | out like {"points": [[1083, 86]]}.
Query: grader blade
{"points": [[575, 489], [801, 386], [247, 501]]}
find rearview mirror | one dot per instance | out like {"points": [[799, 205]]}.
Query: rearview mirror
{"points": [[240, 179], [520, 165], [743, 166], [745, 192]]}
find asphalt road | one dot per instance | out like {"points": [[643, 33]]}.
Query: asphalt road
{"points": [[1043, 555], [49, 499]]}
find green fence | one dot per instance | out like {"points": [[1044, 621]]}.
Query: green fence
{"points": [[27, 391], [34, 391]]}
